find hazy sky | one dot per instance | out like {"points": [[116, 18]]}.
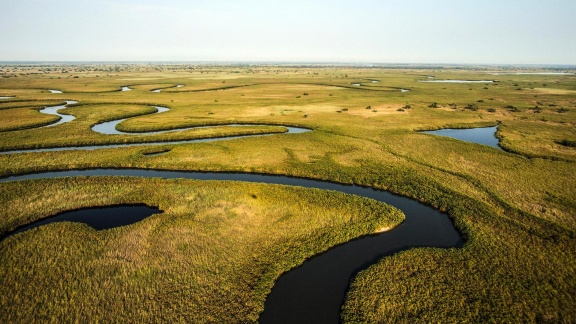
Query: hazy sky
{"points": [[384, 31]]}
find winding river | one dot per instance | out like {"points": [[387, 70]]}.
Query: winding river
{"points": [[53, 110], [314, 291], [109, 128], [160, 89]]}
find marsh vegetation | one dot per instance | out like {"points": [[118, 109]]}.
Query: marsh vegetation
{"points": [[215, 252]]}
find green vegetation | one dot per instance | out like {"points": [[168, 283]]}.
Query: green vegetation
{"points": [[213, 255], [517, 209]]}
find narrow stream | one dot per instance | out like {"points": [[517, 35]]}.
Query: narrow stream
{"points": [[53, 110], [109, 128], [314, 292]]}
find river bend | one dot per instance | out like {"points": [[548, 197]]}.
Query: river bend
{"points": [[314, 291]]}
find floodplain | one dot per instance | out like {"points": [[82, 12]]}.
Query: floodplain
{"points": [[218, 248]]}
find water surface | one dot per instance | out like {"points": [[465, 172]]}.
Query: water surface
{"points": [[482, 135], [125, 89], [314, 292], [533, 73], [457, 81], [289, 130], [99, 218], [53, 110], [55, 91]]}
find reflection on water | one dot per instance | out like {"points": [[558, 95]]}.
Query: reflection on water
{"points": [[98, 218], [483, 135], [457, 81], [315, 291], [54, 111]]}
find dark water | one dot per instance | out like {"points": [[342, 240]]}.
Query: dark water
{"points": [[482, 135], [156, 153], [98, 218], [315, 291]]}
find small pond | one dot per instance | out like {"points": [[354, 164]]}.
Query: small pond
{"points": [[125, 89], [99, 218], [483, 135], [55, 91], [457, 81]]}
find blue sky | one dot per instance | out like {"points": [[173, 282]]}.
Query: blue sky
{"points": [[356, 31]]}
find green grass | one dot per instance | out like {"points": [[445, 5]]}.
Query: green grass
{"points": [[213, 255], [517, 209]]}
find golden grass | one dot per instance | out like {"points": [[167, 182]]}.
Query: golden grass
{"points": [[516, 208], [211, 256]]}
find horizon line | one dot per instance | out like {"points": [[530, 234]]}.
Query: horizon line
{"points": [[272, 62]]}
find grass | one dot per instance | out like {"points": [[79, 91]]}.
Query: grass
{"points": [[213, 255], [516, 208]]}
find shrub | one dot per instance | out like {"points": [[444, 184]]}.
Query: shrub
{"points": [[512, 108], [567, 142]]}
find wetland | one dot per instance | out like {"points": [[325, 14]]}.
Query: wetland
{"points": [[291, 193]]}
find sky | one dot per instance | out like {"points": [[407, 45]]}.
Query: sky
{"points": [[354, 31]]}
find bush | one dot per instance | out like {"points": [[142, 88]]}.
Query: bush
{"points": [[512, 108], [567, 142]]}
